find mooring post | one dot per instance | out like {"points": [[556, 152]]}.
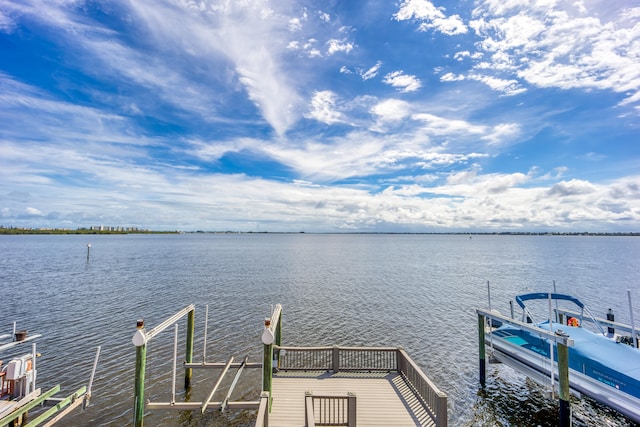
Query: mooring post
{"points": [[191, 325], [139, 340], [483, 374], [267, 356], [564, 417]]}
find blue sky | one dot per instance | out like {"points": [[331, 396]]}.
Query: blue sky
{"points": [[256, 115]]}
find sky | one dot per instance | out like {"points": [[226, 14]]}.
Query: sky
{"points": [[321, 116]]}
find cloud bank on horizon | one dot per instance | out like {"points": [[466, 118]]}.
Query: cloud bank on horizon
{"points": [[258, 115]]}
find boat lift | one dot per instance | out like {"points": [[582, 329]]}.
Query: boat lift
{"points": [[488, 319], [19, 393], [142, 337]]}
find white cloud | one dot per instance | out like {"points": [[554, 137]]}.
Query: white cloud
{"points": [[557, 44], [503, 132], [338, 46], [33, 211], [295, 24], [508, 87], [324, 17], [437, 125], [450, 77], [371, 72], [323, 108], [571, 188], [402, 82], [391, 110], [431, 17]]}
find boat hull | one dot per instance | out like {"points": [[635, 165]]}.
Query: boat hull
{"points": [[600, 368]]}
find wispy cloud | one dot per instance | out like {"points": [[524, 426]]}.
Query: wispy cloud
{"points": [[403, 82], [430, 17], [176, 114], [552, 45]]}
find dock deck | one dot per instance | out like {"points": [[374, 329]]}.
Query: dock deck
{"points": [[307, 386], [383, 398]]}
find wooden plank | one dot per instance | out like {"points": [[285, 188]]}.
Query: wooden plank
{"points": [[384, 399]]}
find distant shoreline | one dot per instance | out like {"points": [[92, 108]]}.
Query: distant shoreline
{"points": [[89, 231]]}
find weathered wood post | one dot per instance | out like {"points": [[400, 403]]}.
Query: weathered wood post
{"points": [[564, 417], [481, 326], [191, 325], [351, 408], [139, 340]]}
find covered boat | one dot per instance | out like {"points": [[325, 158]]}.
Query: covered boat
{"points": [[601, 365]]}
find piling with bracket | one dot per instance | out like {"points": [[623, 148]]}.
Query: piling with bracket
{"points": [[141, 361], [191, 326], [564, 417], [140, 340], [482, 360]]}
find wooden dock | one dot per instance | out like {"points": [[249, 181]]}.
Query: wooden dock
{"points": [[382, 398], [309, 386]]}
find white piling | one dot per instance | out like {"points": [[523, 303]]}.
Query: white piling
{"points": [[175, 363], [33, 366], [206, 322], [87, 395]]}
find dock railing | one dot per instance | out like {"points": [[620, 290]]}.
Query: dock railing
{"points": [[263, 410], [435, 400], [339, 411], [372, 359]]}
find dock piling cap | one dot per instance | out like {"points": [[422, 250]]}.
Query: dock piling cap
{"points": [[21, 335], [139, 337]]}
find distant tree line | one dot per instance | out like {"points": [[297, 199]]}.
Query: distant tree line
{"points": [[111, 230]]}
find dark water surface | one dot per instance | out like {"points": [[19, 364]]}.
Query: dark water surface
{"points": [[414, 291]]}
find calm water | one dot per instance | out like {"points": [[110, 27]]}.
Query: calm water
{"points": [[414, 291]]}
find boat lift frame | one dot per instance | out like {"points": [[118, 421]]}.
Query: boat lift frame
{"points": [[62, 406], [563, 342], [141, 337]]}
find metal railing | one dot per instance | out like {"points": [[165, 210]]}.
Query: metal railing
{"points": [[330, 410], [338, 358], [372, 359]]}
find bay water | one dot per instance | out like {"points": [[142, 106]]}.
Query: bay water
{"points": [[414, 291]]}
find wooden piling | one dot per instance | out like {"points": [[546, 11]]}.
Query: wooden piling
{"points": [[481, 326], [267, 368], [191, 325], [141, 361], [564, 416]]}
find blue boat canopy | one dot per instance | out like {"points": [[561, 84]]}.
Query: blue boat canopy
{"points": [[520, 299]]}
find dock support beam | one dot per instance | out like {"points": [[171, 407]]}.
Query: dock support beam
{"points": [[140, 339], [191, 326], [564, 417], [483, 366], [141, 361]]}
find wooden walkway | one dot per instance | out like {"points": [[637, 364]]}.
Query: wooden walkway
{"points": [[382, 398]]}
